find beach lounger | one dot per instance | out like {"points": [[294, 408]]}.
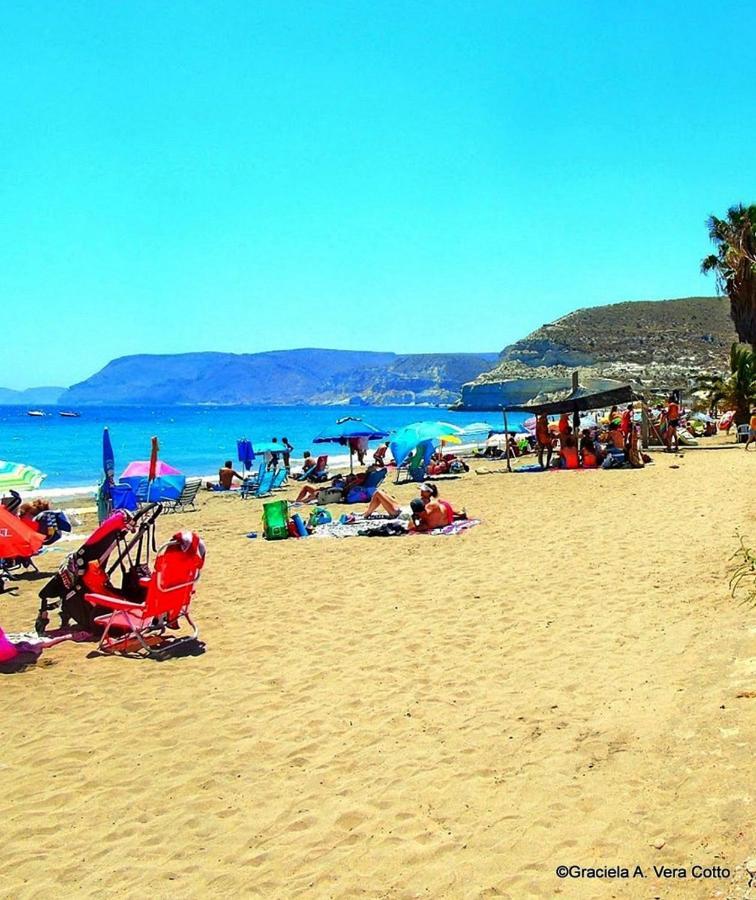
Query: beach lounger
{"points": [[363, 493], [320, 472], [251, 483], [169, 592], [265, 487], [185, 501], [279, 479]]}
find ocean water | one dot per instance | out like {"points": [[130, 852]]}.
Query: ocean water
{"points": [[195, 439]]}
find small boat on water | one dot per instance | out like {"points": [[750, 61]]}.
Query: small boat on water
{"points": [[70, 415], [34, 412]]}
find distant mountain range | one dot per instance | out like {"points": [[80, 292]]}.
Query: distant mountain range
{"points": [[39, 396], [308, 376], [655, 344]]}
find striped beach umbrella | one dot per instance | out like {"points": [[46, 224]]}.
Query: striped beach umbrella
{"points": [[19, 477]]}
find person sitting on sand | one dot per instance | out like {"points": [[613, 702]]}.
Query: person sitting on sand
{"points": [[308, 465], [589, 453], [568, 453], [226, 476], [544, 441], [751, 429], [438, 512], [616, 438]]}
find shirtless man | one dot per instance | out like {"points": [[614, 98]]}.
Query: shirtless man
{"points": [[226, 476]]}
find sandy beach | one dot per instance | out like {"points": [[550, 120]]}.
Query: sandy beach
{"points": [[570, 683]]}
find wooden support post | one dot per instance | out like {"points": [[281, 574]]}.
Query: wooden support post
{"points": [[506, 438]]}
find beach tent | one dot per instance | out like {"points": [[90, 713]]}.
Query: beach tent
{"points": [[349, 429], [16, 537], [153, 480], [406, 439], [19, 477]]}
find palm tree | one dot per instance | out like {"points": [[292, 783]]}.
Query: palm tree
{"points": [[735, 266], [738, 389]]}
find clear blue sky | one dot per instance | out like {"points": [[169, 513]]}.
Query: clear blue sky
{"points": [[410, 176]]}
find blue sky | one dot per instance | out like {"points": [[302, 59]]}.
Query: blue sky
{"points": [[414, 176]]}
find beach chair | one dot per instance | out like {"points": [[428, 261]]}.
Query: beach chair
{"points": [[363, 493], [250, 483], [168, 596], [279, 479], [185, 501], [742, 433], [265, 486], [320, 472]]}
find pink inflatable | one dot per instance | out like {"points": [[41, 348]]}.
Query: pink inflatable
{"points": [[8, 651]]}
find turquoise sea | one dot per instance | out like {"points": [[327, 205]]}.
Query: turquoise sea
{"points": [[195, 439]]}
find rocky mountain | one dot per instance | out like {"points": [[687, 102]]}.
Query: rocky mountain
{"points": [[282, 377], [656, 345], [39, 396]]}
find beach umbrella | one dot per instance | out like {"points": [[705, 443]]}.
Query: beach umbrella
{"points": [[477, 428], [19, 477], [404, 440], [104, 495], [16, 537], [267, 447], [108, 457], [348, 429], [245, 453], [154, 479], [155, 449]]}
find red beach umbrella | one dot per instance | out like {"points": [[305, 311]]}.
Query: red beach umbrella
{"points": [[16, 537]]}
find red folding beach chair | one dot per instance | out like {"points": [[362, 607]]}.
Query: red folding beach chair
{"points": [[169, 592]]}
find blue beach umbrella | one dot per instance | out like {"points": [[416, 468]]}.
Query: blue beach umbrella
{"points": [[108, 457], [245, 453], [404, 440], [347, 429]]}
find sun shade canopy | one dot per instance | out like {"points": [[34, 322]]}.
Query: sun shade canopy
{"points": [[580, 400]]}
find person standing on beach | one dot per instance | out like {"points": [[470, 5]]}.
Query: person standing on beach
{"points": [[287, 453], [626, 425], [543, 440], [673, 420], [751, 429], [274, 456]]}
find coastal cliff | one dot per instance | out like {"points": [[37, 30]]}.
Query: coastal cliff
{"points": [[655, 345]]}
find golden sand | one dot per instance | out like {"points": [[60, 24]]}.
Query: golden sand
{"points": [[413, 717]]}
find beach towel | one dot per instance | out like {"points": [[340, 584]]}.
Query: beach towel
{"points": [[388, 528]]}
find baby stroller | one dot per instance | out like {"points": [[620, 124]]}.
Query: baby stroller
{"points": [[131, 537]]}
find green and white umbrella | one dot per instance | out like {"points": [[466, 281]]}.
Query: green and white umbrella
{"points": [[19, 477]]}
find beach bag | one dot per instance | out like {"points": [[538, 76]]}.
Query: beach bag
{"points": [[330, 495], [275, 520], [320, 516]]}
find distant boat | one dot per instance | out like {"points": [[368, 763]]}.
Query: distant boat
{"points": [[34, 412], [70, 415]]}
